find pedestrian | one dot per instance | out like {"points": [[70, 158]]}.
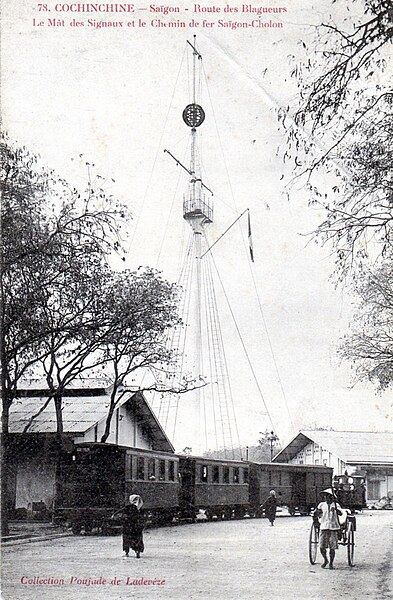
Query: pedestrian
{"points": [[270, 507], [327, 512], [133, 525]]}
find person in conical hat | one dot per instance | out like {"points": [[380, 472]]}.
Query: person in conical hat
{"points": [[328, 492], [328, 511]]}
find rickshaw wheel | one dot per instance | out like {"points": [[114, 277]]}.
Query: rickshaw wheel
{"points": [[350, 544], [313, 543]]}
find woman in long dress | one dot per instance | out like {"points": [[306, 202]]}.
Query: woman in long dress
{"points": [[270, 507], [133, 525]]}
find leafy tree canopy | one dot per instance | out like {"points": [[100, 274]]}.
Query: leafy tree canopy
{"points": [[370, 344], [343, 125]]}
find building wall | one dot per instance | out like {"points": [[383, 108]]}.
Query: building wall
{"points": [[379, 480], [313, 454], [35, 480], [125, 431]]}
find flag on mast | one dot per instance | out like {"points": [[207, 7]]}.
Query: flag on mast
{"points": [[250, 238]]}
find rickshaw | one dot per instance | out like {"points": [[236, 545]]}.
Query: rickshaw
{"points": [[346, 536]]}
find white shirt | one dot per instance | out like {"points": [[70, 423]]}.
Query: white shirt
{"points": [[329, 518]]}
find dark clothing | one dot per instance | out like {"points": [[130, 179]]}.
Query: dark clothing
{"points": [[133, 524], [270, 507]]}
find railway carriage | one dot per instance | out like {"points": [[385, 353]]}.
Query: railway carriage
{"points": [[220, 487], [297, 486], [97, 479]]}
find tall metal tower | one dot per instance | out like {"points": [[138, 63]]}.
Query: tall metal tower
{"points": [[212, 407]]}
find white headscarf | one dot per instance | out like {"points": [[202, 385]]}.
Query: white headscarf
{"points": [[137, 500]]}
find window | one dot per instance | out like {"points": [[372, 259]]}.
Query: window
{"points": [[373, 492], [216, 474], [161, 470], [129, 466], [140, 468], [171, 470], [226, 474], [245, 475], [151, 469], [280, 478], [235, 474], [324, 462], [204, 473], [316, 461]]}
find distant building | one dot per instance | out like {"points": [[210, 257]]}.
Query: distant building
{"points": [[85, 408], [358, 452]]}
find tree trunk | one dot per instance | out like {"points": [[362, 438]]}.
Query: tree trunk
{"points": [[108, 421], [5, 463], [58, 449]]}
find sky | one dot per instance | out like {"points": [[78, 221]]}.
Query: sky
{"points": [[114, 97]]}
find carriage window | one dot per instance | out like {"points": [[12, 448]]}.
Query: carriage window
{"points": [[152, 469], [245, 475], [216, 474], [140, 468], [226, 474], [171, 470], [280, 479], [204, 473], [129, 466], [235, 474], [162, 470]]}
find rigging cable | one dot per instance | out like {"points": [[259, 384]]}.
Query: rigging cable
{"points": [[230, 415], [249, 265], [242, 342]]}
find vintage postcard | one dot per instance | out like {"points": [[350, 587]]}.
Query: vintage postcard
{"points": [[197, 299]]}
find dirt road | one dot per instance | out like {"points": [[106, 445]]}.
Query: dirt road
{"points": [[216, 561]]}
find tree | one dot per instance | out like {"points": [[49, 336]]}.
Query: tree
{"points": [[370, 345], [144, 308], [48, 231], [343, 126], [52, 236], [269, 443]]}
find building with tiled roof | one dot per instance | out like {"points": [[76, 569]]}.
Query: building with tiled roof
{"points": [[85, 407], [365, 453]]}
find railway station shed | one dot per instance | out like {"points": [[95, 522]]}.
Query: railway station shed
{"points": [[34, 453], [365, 453]]}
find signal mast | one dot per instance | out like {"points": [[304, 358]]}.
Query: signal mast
{"points": [[212, 406]]}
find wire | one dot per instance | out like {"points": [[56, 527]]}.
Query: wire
{"points": [[249, 263]]}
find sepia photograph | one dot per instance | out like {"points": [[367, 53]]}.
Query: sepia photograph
{"points": [[197, 300]]}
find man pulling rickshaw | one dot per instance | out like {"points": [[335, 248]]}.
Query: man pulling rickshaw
{"points": [[332, 525]]}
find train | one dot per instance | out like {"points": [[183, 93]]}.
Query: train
{"points": [[96, 479]]}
